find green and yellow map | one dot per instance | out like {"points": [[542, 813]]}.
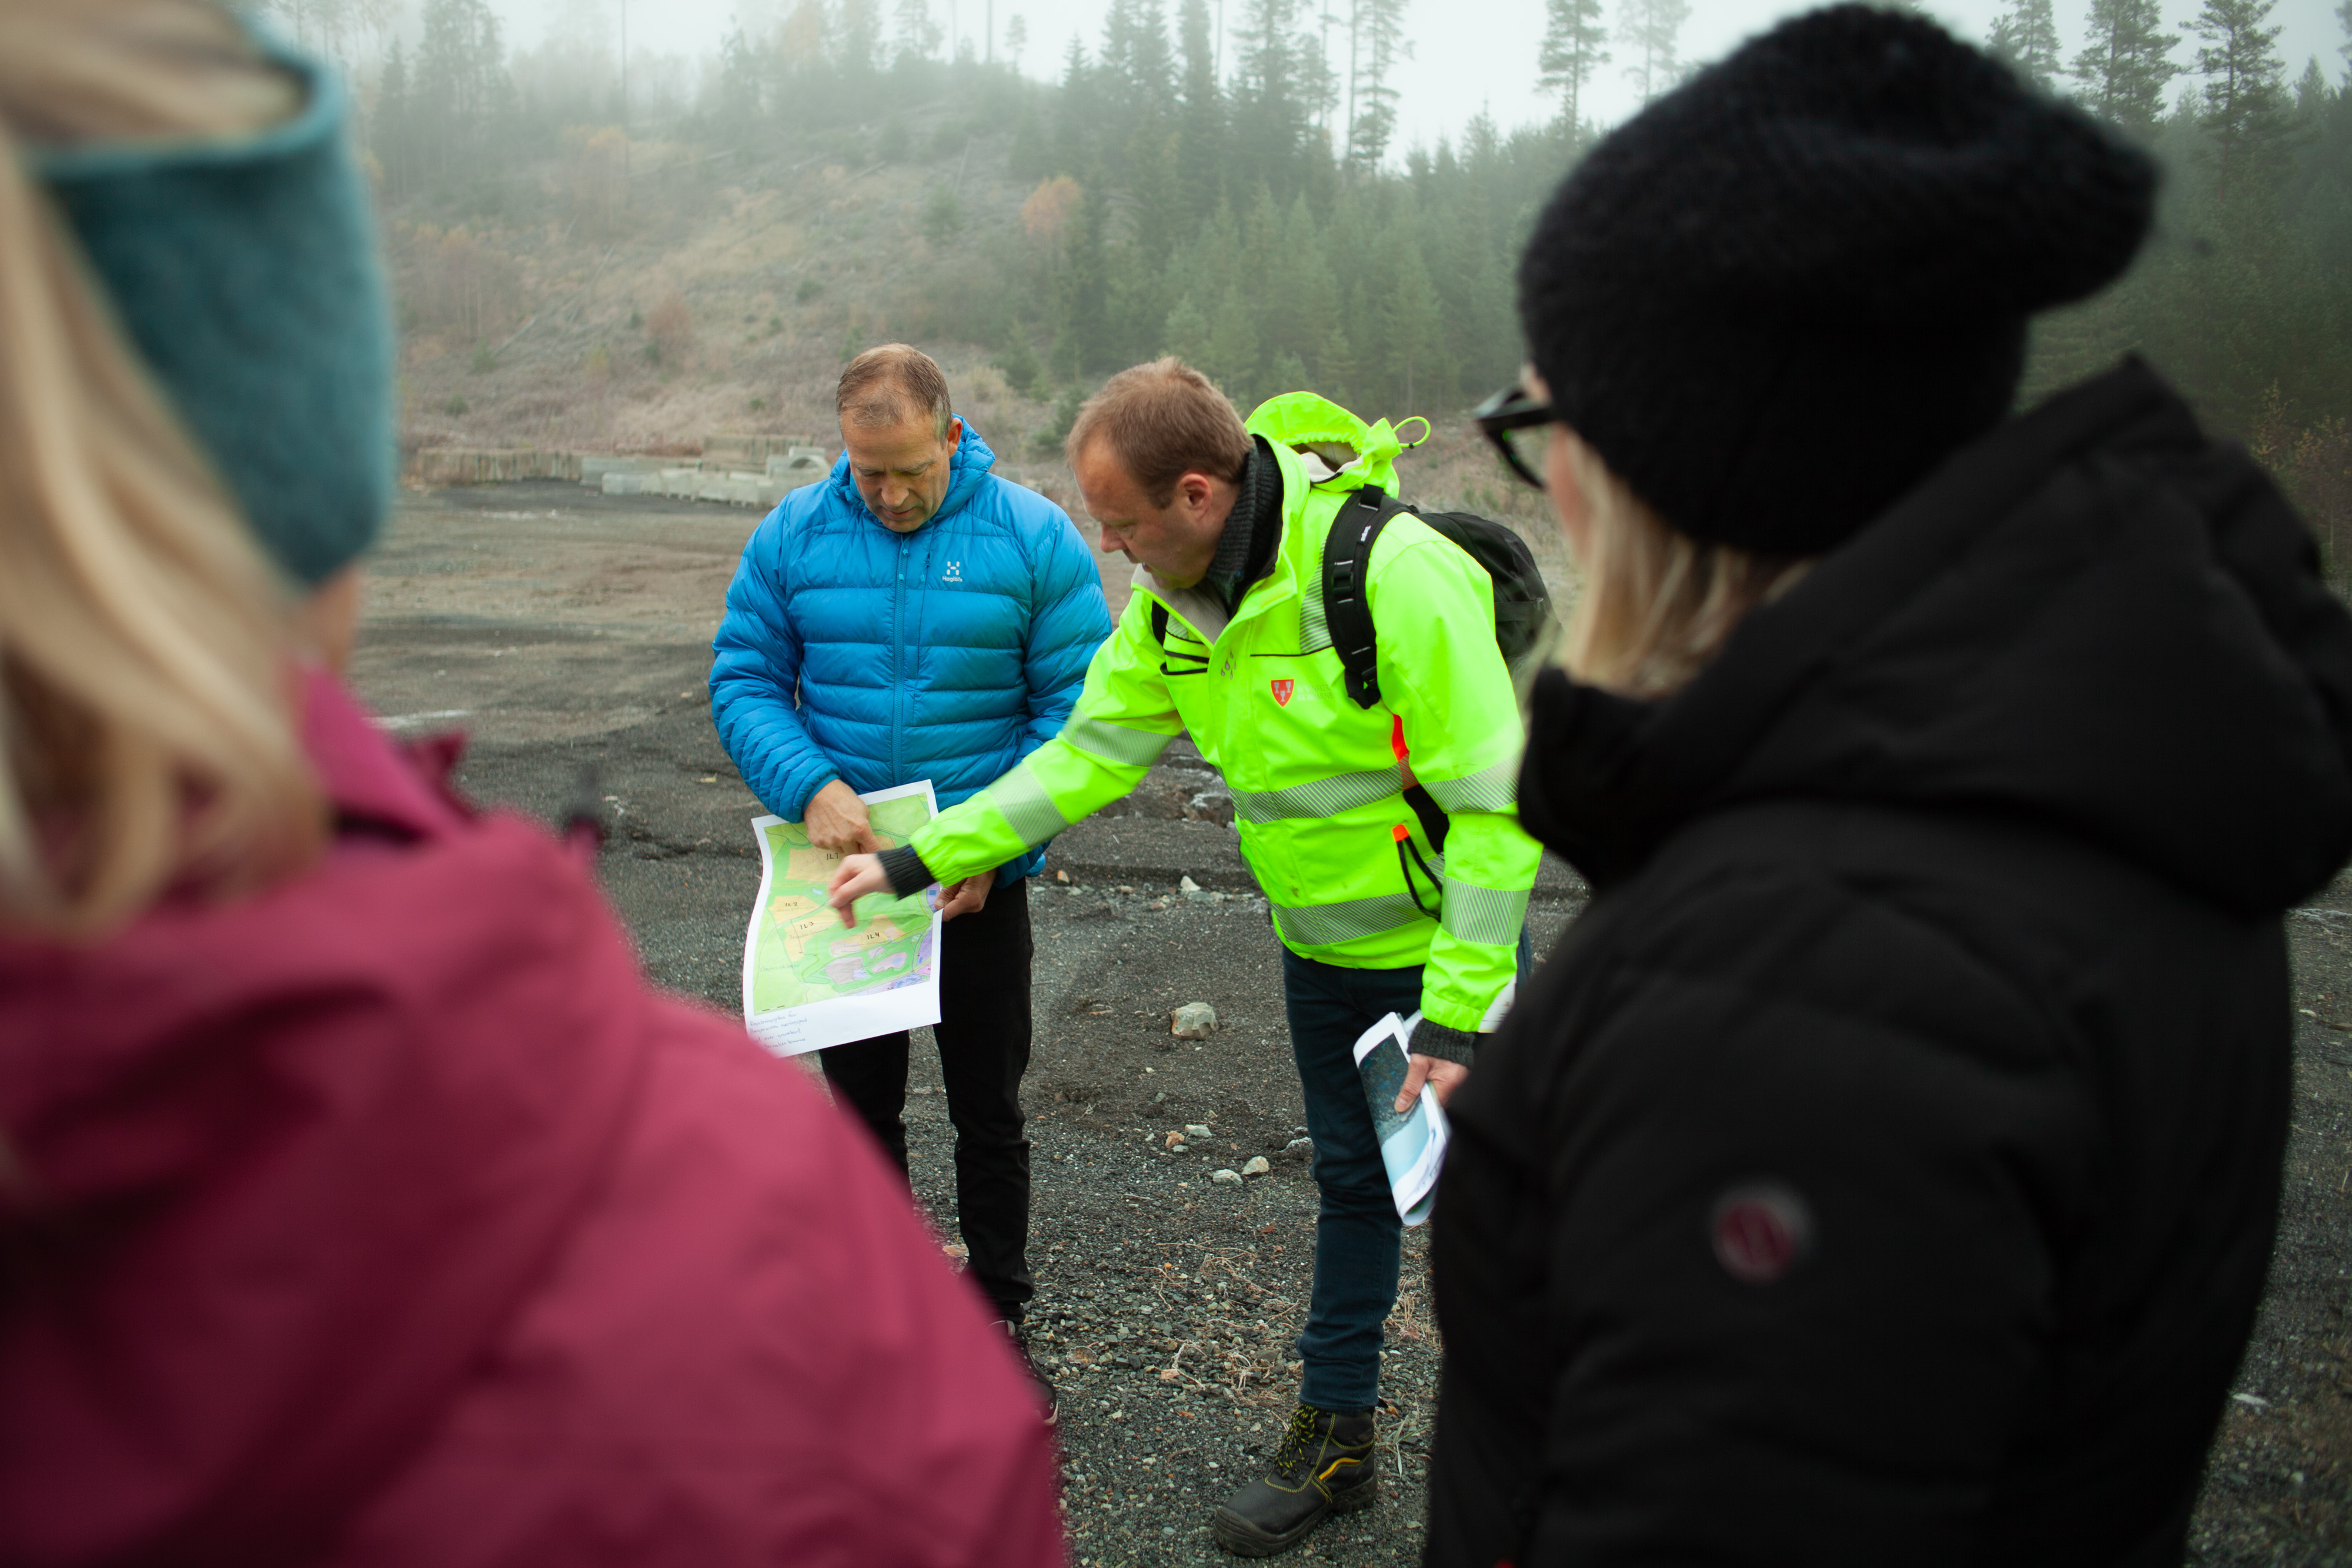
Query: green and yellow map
{"points": [[800, 957]]}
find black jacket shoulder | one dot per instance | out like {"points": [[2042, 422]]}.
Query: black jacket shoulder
{"points": [[1884, 1168]]}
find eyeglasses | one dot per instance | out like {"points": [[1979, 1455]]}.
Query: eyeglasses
{"points": [[1515, 422]]}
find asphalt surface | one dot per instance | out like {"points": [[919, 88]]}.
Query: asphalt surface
{"points": [[568, 633]]}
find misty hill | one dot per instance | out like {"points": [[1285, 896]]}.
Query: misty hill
{"points": [[565, 282]]}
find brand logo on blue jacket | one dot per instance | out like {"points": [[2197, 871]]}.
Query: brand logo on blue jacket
{"points": [[954, 572]]}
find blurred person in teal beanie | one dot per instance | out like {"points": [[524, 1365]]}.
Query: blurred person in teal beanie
{"points": [[359, 1200]]}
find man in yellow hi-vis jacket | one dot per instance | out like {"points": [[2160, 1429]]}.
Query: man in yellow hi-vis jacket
{"points": [[1225, 638]]}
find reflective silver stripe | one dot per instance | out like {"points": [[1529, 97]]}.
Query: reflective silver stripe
{"points": [[1487, 914], [1328, 924], [1314, 630], [1322, 797], [1099, 738], [1488, 790], [1027, 808]]}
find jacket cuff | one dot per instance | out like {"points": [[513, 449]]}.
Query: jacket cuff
{"points": [[799, 804], [906, 869], [1454, 1045]]}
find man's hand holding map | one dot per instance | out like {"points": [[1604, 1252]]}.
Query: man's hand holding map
{"points": [[809, 983]]}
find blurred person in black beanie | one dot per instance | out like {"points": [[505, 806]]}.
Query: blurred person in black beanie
{"points": [[1884, 1168]]}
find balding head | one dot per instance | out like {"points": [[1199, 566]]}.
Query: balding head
{"points": [[891, 385]]}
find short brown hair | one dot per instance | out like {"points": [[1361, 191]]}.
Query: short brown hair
{"points": [[885, 385], [1163, 421]]}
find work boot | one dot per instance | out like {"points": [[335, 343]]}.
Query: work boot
{"points": [[1324, 1466], [1019, 1335]]}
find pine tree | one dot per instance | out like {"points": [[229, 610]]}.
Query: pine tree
{"points": [[388, 127], [460, 82], [1185, 334], [2024, 37], [1017, 38], [1075, 147], [1376, 39], [1269, 97], [1412, 334], [1230, 358], [919, 36], [859, 37], [1575, 44], [1201, 113], [737, 89], [1084, 343], [2244, 103], [2125, 61], [1653, 30]]}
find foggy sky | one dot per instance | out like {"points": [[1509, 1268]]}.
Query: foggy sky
{"points": [[1469, 55]]}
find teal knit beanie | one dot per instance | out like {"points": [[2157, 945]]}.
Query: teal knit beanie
{"points": [[245, 274]]}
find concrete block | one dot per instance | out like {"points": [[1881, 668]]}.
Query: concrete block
{"points": [[593, 470], [802, 465], [624, 481], [736, 489], [682, 482], [494, 466]]}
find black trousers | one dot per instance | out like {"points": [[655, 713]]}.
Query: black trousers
{"points": [[983, 1035]]}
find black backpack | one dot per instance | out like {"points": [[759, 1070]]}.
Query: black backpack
{"points": [[1523, 614]]}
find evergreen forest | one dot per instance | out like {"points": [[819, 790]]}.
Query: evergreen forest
{"points": [[1239, 198]]}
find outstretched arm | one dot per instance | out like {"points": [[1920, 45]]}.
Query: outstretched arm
{"points": [[1123, 720]]}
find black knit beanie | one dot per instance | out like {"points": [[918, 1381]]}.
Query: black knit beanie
{"points": [[1775, 297]]}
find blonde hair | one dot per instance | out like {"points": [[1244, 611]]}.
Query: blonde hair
{"points": [[147, 732], [1657, 605]]}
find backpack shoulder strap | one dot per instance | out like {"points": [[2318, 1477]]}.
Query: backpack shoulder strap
{"points": [[1347, 569], [1160, 623]]}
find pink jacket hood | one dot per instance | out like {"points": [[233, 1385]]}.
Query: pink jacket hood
{"points": [[325, 1206]]}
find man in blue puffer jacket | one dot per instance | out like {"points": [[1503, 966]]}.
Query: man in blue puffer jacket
{"points": [[915, 617]]}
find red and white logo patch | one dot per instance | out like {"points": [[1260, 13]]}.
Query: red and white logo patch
{"points": [[1760, 1231], [1282, 690]]}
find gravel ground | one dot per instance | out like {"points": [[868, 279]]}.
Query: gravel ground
{"points": [[569, 633]]}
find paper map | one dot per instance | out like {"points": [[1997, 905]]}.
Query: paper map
{"points": [[808, 982], [1412, 1144]]}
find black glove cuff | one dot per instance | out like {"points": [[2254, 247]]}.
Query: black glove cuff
{"points": [[906, 869], [1455, 1045]]}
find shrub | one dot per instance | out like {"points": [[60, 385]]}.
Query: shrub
{"points": [[486, 358], [809, 290], [671, 326], [942, 217], [1018, 365], [454, 407], [1048, 441]]}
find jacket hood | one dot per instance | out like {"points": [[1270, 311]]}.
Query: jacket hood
{"points": [[970, 463], [286, 1163], [2093, 621]]}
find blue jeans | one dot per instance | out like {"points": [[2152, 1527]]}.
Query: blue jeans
{"points": [[1357, 1230]]}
